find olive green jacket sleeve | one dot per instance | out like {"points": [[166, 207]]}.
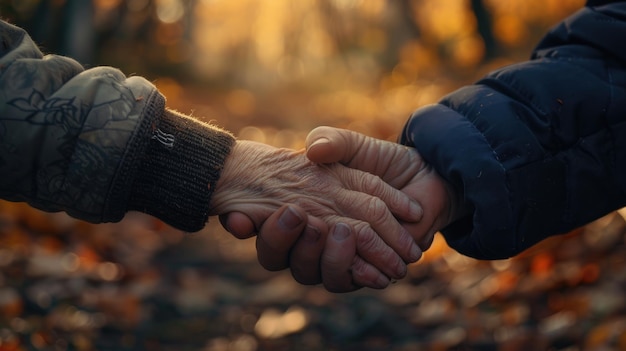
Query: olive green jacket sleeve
{"points": [[97, 144]]}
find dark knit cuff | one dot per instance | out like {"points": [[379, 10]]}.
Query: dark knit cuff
{"points": [[179, 171]]}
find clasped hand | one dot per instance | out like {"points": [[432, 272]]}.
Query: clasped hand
{"points": [[378, 200]]}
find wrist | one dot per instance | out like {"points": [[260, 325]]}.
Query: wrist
{"points": [[251, 171], [179, 171]]}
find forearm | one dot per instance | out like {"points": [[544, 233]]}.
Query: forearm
{"points": [[97, 144], [536, 149]]}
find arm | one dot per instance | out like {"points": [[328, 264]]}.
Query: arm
{"points": [[535, 149], [532, 150], [97, 144]]}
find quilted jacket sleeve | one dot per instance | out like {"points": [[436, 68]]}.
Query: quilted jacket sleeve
{"points": [[97, 144], [537, 148]]}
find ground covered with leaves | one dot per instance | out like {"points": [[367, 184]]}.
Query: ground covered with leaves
{"points": [[140, 285]]}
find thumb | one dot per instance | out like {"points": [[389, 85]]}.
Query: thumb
{"points": [[329, 145], [393, 163]]}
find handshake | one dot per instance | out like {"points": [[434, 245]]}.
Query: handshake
{"points": [[349, 212]]}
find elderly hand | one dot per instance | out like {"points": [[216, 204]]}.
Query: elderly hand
{"points": [[399, 166], [258, 179]]}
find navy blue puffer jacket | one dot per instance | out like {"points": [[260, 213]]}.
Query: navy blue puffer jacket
{"points": [[537, 148]]}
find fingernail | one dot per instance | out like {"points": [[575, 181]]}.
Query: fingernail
{"points": [[320, 141], [416, 211], [311, 234], [289, 219], [341, 231], [416, 252]]}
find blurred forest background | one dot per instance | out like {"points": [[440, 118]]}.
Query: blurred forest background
{"points": [[270, 71], [283, 67]]}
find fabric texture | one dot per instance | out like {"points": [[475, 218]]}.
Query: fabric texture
{"points": [[96, 144], [536, 148]]}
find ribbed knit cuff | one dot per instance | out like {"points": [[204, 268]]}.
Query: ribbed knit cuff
{"points": [[179, 171]]}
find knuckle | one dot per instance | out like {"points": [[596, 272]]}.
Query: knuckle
{"points": [[396, 201], [360, 270], [367, 276], [405, 241], [372, 184], [367, 240], [371, 247], [376, 210]]}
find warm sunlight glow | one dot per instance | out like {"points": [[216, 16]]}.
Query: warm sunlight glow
{"points": [[106, 5], [137, 5], [169, 11], [468, 51], [444, 19], [271, 71], [510, 30]]}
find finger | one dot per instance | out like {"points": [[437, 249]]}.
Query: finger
{"points": [[398, 203], [305, 258], [423, 233], [343, 270], [364, 274], [394, 163], [377, 253], [387, 166], [329, 145], [238, 224], [277, 236], [337, 259], [380, 235]]}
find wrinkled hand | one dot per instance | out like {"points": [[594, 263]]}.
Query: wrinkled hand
{"points": [[257, 179], [399, 166], [288, 239]]}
